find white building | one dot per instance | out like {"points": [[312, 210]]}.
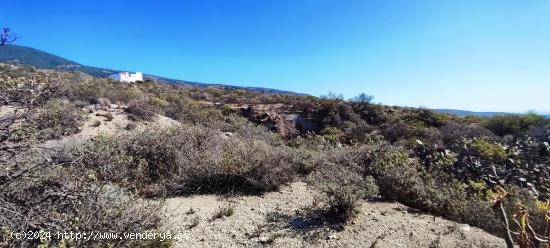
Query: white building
{"points": [[127, 77]]}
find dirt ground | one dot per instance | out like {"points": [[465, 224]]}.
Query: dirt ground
{"points": [[116, 125], [272, 220]]}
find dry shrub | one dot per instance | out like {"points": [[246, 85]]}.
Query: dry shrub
{"points": [[104, 102], [395, 132], [107, 115], [57, 118], [54, 196], [98, 90], [455, 133], [188, 111], [223, 211], [185, 159], [96, 123], [130, 126], [541, 133], [340, 188], [538, 211], [141, 111]]}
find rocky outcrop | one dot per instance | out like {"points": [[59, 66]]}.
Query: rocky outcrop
{"points": [[279, 118]]}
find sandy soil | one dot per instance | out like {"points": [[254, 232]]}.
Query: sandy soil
{"points": [[271, 220], [118, 124], [6, 110]]}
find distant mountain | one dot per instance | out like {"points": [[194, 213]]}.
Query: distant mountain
{"points": [[14, 54], [480, 114], [471, 113]]}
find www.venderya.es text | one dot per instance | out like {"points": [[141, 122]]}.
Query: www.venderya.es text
{"points": [[93, 235]]}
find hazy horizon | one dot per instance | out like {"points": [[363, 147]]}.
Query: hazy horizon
{"points": [[468, 55]]}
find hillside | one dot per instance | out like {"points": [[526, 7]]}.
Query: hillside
{"points": [[287, 170], [15, 54], [22, 55]]}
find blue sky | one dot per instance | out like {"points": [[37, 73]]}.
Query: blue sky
{"points": [[474, 55]]}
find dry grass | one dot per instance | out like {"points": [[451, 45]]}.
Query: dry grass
{"points": [[223, 211], [194, 222]]}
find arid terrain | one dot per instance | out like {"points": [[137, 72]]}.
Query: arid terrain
{"points": [[271, 219], [233, 168]]}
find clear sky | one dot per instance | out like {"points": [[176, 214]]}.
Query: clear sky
{"points": [[475, 55]]}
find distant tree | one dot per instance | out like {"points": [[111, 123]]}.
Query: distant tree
{"points": [[7, 37], [362, 98], [333, 96]]}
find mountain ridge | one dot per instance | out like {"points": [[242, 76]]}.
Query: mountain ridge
{"points": [[462, 113], [16, 54]]}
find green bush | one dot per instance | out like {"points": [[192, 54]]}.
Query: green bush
{"points": [[513, 124], [402, 179], [490, 150]]}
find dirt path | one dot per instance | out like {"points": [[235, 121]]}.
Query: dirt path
{"points": [[270, 221]]}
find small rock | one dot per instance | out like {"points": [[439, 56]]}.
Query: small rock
{"points": [[264, 239], [465, 228]]}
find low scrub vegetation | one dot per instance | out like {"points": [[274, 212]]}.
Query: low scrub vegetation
{"points": [[57, 118], [186, 160], [52, 195], [514, 124], [340, 190], [223, 211], [141, 111], [353, 151]]}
